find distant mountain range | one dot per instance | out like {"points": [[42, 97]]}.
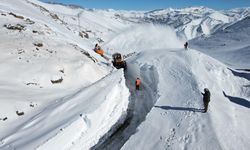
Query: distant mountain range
{"points": [[189, 22]]}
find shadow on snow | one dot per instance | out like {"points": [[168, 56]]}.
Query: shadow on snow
{"points": [[180, 108], [245, 75], [238, 100]]}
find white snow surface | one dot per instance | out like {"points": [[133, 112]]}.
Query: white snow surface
{"points": [[176, 121], [72, 98], [229, 44], [78, 110]]}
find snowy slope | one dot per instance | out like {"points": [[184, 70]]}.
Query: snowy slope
{"points": [[92, 25], [189, 22], [174, 78], [54, 88], [176, 121], [79, 119], [230, 44]]}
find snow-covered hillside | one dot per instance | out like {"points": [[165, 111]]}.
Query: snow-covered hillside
{"points": [[91, 25], [101, 25], [57, 93], [54, 88], [230, 44], [176, 120], [174, 78], [189, 22]]}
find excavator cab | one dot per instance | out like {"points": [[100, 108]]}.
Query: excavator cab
{"points": [[99, 50], [118, 61]]}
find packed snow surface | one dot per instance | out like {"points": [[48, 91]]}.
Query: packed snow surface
{"points": [[175, 77], [176, 121]]}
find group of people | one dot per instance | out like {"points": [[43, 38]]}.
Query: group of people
{"points": [[206, 94]]}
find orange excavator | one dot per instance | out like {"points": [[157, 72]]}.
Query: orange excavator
{"points": [[98, 50]]}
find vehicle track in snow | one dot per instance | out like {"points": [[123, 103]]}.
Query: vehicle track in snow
{"points": [[141, 102]]}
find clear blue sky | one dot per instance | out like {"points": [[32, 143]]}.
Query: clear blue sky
{"points": [[154, 4]]}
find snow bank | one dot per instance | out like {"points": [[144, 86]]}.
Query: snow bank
{"points": [[79, 120]]}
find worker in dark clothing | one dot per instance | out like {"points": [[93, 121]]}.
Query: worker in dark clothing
{"points": [[186, 45], [137, 83], [206, 99]]}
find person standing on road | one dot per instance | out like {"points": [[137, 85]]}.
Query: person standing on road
{"points": [[137, 83], [186, 45], [206, 99]]}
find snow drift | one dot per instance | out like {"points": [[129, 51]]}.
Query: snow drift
{"points": [[144, 37]]}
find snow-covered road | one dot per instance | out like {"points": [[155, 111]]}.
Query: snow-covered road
{"points": [[140, 102]]}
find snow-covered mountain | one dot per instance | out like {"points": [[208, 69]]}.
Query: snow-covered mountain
{"points": [[229, 44], [57, 93], [189, 22]]}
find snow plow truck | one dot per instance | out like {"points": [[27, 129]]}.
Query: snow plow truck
{"points": [[118, 61]]}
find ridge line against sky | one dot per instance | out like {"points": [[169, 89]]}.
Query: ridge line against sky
{"points": [[154, 4]]}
